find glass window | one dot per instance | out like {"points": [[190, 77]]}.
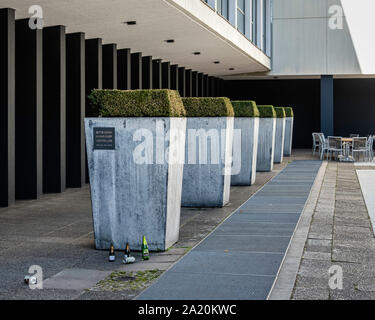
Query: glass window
{"points": [[241, 15], [222, 8], [264, 21], [254, 9]]}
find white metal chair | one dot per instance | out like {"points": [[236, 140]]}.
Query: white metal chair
{"points": [[323, 146], [316, 142], [370, 148], [334, 146], [354, 135], [360, 145]]}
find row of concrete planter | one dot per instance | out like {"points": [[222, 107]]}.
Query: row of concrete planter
{"points": [[128, 172]]}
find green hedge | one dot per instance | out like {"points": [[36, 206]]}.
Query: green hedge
{"points": [[289, 112], [280, 112], [267, 112], [208, 107], [245, 109], [136, 103]]}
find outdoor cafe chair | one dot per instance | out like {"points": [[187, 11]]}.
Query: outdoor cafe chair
{"points": [[360, 145], [354, 135], [323, 146], [316, 142], [334, 146], [370, 148]]}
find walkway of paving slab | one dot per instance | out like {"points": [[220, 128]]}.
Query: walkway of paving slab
{"points": [[241, 258], [340, 235]]}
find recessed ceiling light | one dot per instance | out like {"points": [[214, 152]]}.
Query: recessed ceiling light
{"points": [[216, 62], [197, 53], [130, 23], [169, 41], [231, 69]]}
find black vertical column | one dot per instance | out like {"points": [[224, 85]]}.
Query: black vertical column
{"points": [[7, 107], [174, 77], [94, 69], [326, 105], [110, 66], [182, 81], [188, 83], [75, 110], [195, 92], [157, 74], [93, 75], [217, 87], [136, 70], [29, 111], [200, 85], [147, 72], [210, 87], [54, 109], [205, 86], [166, 69], [124, 69]]}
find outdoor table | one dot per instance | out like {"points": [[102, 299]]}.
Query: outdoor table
{"points": [[346, 144]]}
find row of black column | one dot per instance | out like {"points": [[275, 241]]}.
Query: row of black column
{"points": [[47, 77]]}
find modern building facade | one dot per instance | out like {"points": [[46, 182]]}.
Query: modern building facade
{"points": [[308, 54]]}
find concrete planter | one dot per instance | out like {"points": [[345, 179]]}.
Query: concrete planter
{"points": [[288, 136], [266, 144], [206, 181], [136, 188], [279, 140], [245, 151]]}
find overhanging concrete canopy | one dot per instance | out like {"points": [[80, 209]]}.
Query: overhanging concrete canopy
{"points": [[193, 25]]}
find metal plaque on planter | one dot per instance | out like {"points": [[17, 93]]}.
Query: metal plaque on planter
{"points": [[104, 139]]}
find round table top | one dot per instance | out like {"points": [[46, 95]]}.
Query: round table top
{"points": [[347, 139]]}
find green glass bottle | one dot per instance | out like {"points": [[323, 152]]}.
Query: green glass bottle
{"points": [[112, 256], [145, 253]]}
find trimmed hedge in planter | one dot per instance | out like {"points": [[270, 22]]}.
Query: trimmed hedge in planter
{"points": [[280, 135], [289, 112], [267, 111], [280, 112], [206, 181], [136, 103], [135, 190], [245, 109], [289, 122], [208, 107], [266, 139]]}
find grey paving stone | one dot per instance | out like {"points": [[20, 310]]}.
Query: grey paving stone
{"points": [[311, 282], [75, 279], [255, 228], [315, 268], [351, 294], [195, 286], [266, 217], [317, 255], [310, 294], [244, 243], [230, 263]]}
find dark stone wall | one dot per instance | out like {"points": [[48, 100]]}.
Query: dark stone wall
{"points": [[354, 106], [302, 95]]}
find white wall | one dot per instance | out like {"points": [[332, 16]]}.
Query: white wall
{"points": [[304, 43]]}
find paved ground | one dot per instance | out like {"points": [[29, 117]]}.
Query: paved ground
{"points": [[340, 235], [55, 232], [240, 259]]}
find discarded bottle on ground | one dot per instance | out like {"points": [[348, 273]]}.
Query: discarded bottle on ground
{"points": [[145, 253], [127, 258], [112, 256]]}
